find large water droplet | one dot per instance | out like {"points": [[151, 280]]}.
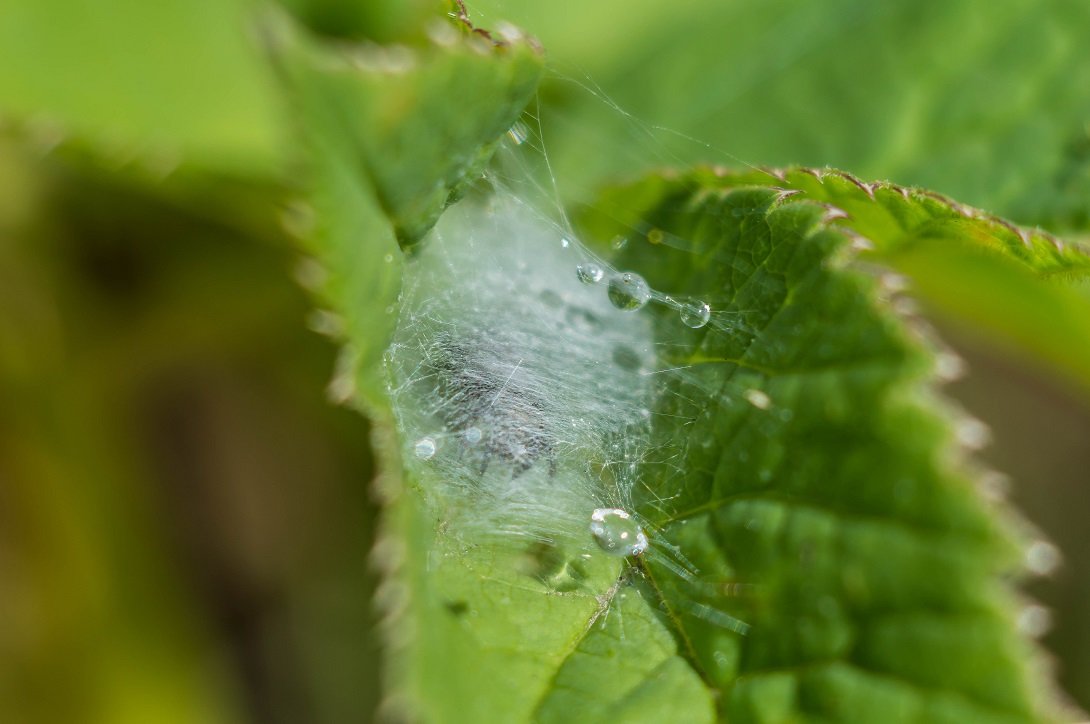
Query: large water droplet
{"points": [[617, 533], [695, 314], [425, 448], [758, 399], [589, 273], [629, 291], [473, 435]]}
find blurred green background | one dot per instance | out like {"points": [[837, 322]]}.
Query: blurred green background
{"points": [[186, 521]]}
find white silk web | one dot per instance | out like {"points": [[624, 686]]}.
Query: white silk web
{"points": [[525, 376]]}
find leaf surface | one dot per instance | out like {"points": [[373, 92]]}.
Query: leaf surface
{"points": [[388, 152], [820, 472], [819, 548], [1014, 287]]}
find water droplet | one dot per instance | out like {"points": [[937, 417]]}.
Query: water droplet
{"points": [[425, 448], [695, 314], [564, 242], [758, 399], [473, 435], [589, 273], [617, 533], [389, 258], [656, 236], [619, 242], [629, 291]]}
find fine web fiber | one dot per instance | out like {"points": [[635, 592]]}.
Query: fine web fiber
{"points": [[518, 388], [526, 377]]}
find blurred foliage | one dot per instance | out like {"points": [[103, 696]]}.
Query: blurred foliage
{"points": [[185, 522], [185, 519], [164, 82], [983, 101]]}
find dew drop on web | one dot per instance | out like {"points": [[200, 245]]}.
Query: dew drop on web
{"points": [[629, 291], [425, 448], [617, 533], [589, 273], [695, 313]]}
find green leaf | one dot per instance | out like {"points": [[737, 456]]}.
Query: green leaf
{"points": [[649, 682], [1008, 285], [819, 550], [504, 602], [388, 151], [383, 21], [824, 477]]}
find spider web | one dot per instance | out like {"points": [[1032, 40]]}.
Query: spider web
{"points": [[527, 399]]}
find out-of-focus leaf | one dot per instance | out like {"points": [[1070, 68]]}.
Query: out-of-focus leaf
{"points": [[383, 21], [167, 82], [985, 102]]}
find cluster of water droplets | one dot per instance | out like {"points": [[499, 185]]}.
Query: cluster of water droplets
{"points": [[613, 529], [523, 393], [535, 426], [629, 291]]}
